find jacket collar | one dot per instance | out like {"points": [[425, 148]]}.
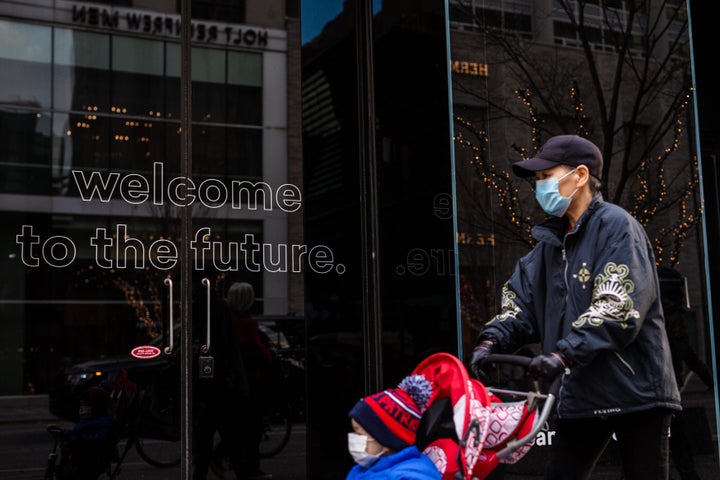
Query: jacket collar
{"points": [[554, 229]]}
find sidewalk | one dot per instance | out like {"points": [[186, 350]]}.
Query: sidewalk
{"points": [[25, 408], [20, 413], [698, 402]]}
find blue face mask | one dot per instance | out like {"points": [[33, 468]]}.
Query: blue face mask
{"points": [[547, 194]]}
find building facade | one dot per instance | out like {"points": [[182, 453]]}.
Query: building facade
{"points": [[346, 160]]}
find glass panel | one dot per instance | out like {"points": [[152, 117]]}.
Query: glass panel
{"points": [[81, 72], [137, 85], [25, 52], [510, 95], [125, 56], [81, 49], [92, 195], [408, 142], [25, 148], [90, 234], [235, 152], [208, 65], [227, 86], [245, 69]]}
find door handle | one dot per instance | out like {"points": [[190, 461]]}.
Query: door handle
{"points": [[171, 331], [206, 348]]}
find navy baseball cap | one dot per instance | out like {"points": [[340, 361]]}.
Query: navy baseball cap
{"points": [[570, 150]]}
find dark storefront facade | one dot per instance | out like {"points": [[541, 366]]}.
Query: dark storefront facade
{"points": [[345, 158]]}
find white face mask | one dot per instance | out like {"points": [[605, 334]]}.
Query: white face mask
{"points": [[357, 446]]}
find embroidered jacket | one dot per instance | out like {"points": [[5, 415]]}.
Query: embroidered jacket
{"points": [[593, 295]]}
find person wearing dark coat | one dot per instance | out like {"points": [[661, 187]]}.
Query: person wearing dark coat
{"points": [[588, 293]]}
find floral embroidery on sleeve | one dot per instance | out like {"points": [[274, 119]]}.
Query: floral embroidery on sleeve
{"points": [[611, 299], [508, 307]]}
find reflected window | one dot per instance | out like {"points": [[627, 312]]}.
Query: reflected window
{"points": [[234, 152], [227, 86], [245, 88], [137, 84], [82, 76], [25, 64], [25, 144]]}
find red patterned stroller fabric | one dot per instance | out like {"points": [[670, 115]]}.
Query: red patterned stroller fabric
{"points": [[465, 427]]}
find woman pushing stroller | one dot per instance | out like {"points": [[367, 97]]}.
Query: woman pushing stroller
{"points": [[588, 292]]}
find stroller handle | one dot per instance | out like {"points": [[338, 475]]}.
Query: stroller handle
{"points": [[519, 360], [523, 361], [548, 401]]}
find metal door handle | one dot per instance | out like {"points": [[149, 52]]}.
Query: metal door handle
{"points": [[206, 348], [171, 331]]}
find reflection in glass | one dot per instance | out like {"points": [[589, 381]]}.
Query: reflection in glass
{"points": [[25, 63], [522, 73], [137, 80], [25, 149], [81, 72]]}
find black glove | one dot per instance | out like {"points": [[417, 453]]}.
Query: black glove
{"points": [[479, 357], [547, 365]]}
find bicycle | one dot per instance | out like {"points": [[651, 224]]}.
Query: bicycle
{"points": [[144, 417], [62, 464], [148, 422]]}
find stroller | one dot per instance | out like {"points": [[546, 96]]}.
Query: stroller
{"points": [[467, 429]]}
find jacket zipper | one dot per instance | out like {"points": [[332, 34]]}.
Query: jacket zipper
{"points": [[567, 293], [567, 301]]}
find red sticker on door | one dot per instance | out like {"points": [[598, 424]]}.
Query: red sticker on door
{"points": [[144, 352]]}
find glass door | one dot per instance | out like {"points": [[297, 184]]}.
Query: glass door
{"points": [[159, 305], [524, 72]]}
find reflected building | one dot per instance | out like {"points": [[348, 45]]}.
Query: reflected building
{"points": [[92, 191], [522, 71], [290, 188]]}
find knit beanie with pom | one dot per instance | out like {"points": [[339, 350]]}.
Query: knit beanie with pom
{"points": [[392, 416]]}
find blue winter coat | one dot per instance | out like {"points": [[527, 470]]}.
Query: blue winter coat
{"points": [[593, 294], [406, 464]]}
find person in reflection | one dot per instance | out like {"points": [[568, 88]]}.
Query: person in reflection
{"points": [[258, 359], [221, 395], [673, 295], [588, 292], [385, 425], [91, 445]]}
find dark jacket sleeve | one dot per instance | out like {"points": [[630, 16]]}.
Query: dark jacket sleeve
{"points": [[516, 323]]}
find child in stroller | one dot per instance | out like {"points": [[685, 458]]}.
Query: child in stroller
{"points": [[87, 449]]}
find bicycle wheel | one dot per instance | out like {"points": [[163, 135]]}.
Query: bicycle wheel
{"points": [[277, 429], [156, 429], [159, 453]]}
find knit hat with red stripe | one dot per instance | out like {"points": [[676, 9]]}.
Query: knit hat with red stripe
{"points": [[392, 416]]}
